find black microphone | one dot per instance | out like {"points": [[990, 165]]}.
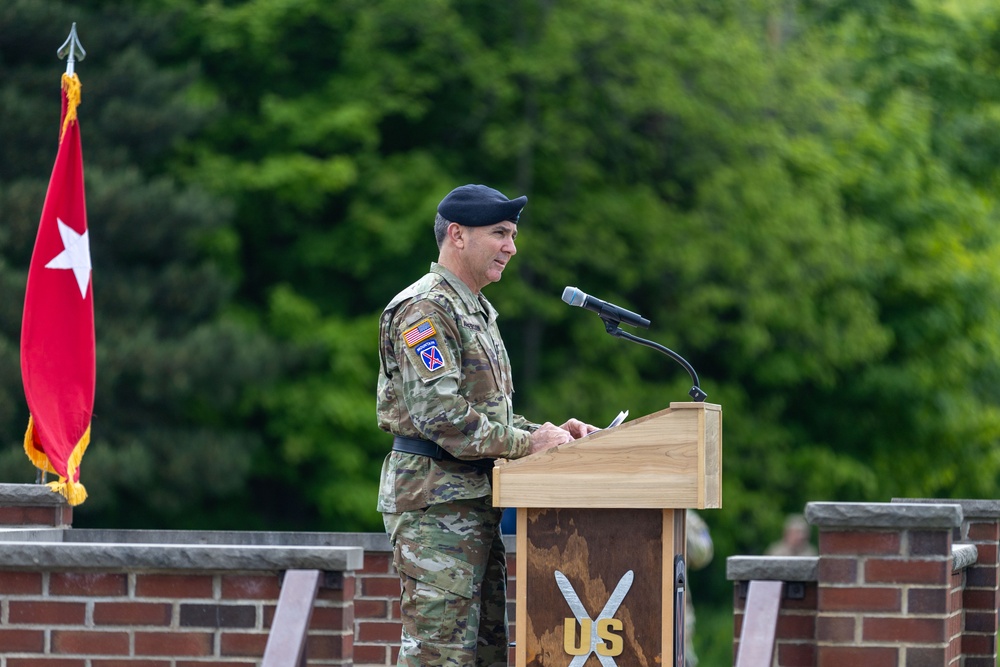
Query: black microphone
{"points": [[607, 311]]}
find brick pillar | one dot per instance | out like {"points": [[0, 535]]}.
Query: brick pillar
{"points": [[885, 584], [377, 622], [33, 505], [980, 598]]}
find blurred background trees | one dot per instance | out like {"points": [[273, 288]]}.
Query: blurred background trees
{"points": [[178, 365], [800, 194]]}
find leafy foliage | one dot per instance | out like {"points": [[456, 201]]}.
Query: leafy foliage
{"points": [[799, 195], [172, 421]]}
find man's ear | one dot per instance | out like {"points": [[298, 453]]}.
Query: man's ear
{"points": [[457, 234]]}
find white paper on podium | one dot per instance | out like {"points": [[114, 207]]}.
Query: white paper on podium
{"points": [[622, 416]]}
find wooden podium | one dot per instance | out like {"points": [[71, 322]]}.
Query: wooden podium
{"points": [[600, 526]]}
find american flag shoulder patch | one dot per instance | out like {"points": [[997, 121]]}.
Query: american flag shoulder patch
{"points": [[419, 332]]}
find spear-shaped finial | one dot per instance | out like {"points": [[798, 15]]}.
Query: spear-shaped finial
{"points": [[72, 48]]}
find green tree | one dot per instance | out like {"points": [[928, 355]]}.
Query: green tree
{"points": [[799, 195], [791, 212], [178, 366]]}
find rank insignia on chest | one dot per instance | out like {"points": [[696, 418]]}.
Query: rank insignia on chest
{"points": [[419, 332], [430, 355]]}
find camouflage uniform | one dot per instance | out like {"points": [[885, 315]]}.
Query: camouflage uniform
{"points": [[445, 377]]}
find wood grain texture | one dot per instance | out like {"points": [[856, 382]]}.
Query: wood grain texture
{"points": [[712, 476], [593, 548], [669, 459], [521, 587]]}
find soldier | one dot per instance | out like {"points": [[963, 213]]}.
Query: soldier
{"points": [[794, 539], [444, 392]]}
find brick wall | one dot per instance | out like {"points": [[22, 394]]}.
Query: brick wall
{"points": [[376, 611], [118, 619], [152, 606], [897, 584], [908, 583], [182, 599], [169, 619], [883, 594], [795, 633]]}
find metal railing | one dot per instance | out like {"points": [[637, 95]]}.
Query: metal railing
{"points": [[760, 621], [286, 643]]}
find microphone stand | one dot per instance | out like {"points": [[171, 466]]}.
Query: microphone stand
{"points": [[611, 326]]}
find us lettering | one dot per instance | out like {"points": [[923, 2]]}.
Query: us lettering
{"points": [[602, 640]]}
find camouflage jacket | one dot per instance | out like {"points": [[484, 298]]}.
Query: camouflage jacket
{"points": [[444, 376], [700, 548]]}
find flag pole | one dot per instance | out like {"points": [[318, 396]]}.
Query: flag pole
{"points": [[73, 49]]}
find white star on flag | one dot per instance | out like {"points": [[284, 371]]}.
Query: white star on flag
{"points": [[75, 255]]}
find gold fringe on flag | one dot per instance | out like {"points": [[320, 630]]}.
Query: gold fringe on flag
{"points": [[35, 454], [74, 492], [71, 84]]}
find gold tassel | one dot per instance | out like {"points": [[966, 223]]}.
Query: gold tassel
{"points": [[74, 492], [37, 457], [71, 84]]}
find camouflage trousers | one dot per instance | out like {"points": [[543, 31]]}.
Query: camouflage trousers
{"points": [[453, 571]]}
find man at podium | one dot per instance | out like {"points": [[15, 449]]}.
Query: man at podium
{"points": [[445, 394]]}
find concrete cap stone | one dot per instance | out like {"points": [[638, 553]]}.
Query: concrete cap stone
{"points": [[30, 495], [204, 557], [971, 509], [962, 556], [771, 568], [884, 515]]}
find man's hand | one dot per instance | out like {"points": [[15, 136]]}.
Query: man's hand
{"points": [[547, 436], [577, 428]]}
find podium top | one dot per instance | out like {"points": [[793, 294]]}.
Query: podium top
{"points": [[668, 459]]}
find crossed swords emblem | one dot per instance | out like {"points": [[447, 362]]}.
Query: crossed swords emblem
{"points": [[573, 600]]}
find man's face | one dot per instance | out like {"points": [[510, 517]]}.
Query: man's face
{"points": [[487, 251]]}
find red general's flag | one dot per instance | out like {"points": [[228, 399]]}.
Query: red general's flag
{"points": [[58, 367]]}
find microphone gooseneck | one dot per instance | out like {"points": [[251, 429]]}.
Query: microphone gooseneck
{"points": [[613, 316]]}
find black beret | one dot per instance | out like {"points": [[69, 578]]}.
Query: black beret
{"points": [[478, 205]]}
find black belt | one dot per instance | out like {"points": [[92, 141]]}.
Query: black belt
{"points": [[435, 451]]}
